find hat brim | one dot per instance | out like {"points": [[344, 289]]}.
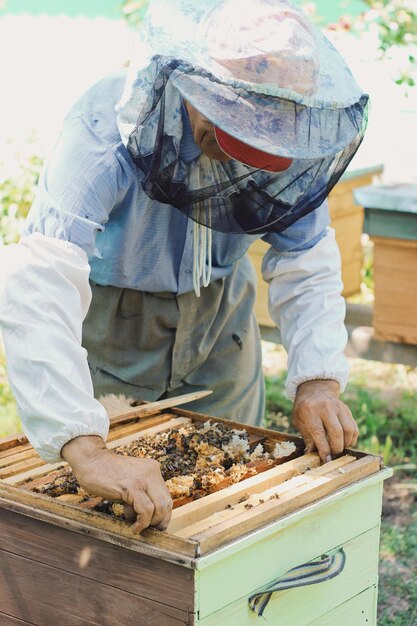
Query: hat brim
{"points": [[240, 151], [271, 124]]}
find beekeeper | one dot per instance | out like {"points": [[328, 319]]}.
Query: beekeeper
{"points": [[235, 121]]}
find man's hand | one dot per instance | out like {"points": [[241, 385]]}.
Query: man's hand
{"points": [[325, 422], [136, 482]]}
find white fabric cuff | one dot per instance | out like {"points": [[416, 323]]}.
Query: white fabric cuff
{"points": [[306, 304], [44, 298], [293, 384]]}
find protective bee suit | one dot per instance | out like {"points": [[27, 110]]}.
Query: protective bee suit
{"points": [[134, 250]]}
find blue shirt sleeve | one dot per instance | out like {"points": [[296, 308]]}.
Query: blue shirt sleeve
{"points": [[84, 180], [303, 234]]}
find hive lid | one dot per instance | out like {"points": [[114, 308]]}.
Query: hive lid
{"points": [[401, 197]]}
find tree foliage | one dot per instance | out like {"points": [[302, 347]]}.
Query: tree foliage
{"points": [[396, 24]]}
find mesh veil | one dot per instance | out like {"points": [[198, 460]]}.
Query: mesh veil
{"points": [[229, 196]]}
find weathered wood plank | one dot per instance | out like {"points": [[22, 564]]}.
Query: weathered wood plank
{"points": [[97, 560], [273, 509], [97, 520], [326, 468], [91, 502], [43, 595], [201, 509], [7, 620], [147, 547]]}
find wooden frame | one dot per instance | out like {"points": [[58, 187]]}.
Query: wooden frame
{"points": [[198, 527]]}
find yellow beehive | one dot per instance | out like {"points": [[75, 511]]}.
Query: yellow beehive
{"points": [[395, 271]]}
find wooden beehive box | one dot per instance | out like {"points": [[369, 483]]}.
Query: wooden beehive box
{"points": [[395, 272], [61, 563], [347, 220], [391, 221]]}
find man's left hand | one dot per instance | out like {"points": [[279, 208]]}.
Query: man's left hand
{"points": [[323, 420]]}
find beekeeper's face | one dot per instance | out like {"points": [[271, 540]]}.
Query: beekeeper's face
{"points": [[203, 131]]}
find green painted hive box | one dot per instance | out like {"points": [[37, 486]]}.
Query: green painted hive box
{"points": [[224, 558], [391, 222]]}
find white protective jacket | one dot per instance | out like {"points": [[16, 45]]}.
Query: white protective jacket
{"points": [[45, 296]]}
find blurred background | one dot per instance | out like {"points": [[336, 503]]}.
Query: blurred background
{"points": [[53, 51]]}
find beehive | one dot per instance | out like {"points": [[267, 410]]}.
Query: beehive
{"points": [[391, 221], [61, 563]]}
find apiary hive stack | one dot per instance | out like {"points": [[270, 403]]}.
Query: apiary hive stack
{"points": [[391, 222]]}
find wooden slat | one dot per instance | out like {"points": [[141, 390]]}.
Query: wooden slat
{"points": [[15, 450], [138, 426], [46, 596], [39, 482], [156, 407], [23, 466], [176, 422], [12, 441], [336, 464], [97, 520], [201, 509], [261, 496], [37, 472], [274, 509], [97, 560], [254, 468], [17, 457]]}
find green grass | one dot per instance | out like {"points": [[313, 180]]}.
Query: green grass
{"points": [[397, 604], [388, 429]]}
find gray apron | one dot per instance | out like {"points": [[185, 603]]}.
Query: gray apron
{"points": [[154, 345]]}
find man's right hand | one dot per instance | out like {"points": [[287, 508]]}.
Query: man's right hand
{"points": [[136, 482]]}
